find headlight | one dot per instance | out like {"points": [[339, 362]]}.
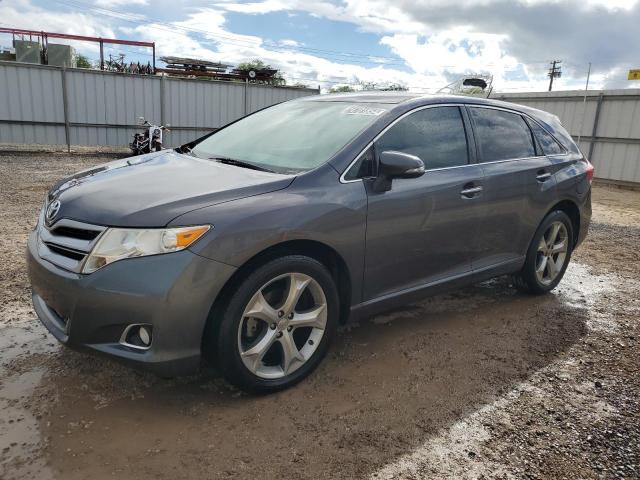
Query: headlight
{"points": [[120, 243]]}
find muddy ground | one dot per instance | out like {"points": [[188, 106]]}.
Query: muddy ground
{"points": [[481, 383]]}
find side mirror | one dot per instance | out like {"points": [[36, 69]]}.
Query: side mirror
{"points": [[140, 120], [396, 165]]}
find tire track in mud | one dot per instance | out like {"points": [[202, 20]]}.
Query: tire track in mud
{"points": [[461, 450]]}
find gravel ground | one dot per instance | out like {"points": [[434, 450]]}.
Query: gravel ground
{"points": [[480, 383]]}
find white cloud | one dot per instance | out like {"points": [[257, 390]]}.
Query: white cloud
{"points": [[290, 43], [120, 3], [22, 14], [203, 35], [435, 39], [531, 31]]}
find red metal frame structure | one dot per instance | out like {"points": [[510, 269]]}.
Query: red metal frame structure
{"points": [[46, 35]]}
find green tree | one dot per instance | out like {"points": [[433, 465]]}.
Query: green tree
{"points": [[252, 65], [83, 62], [394, 87], [342, 89], [366, 86], [276, 79], [384, 87]]}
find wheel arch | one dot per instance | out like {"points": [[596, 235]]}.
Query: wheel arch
{"points": [[319, 251], [573, 212]]}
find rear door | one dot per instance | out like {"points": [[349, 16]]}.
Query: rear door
{"points": [[518, 186], [419, 232]]}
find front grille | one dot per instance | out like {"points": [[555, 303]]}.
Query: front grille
{"points": [[68, 242], [79, 233], [66, 252]]}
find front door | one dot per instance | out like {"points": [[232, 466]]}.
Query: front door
{"points": [[419, 231]]}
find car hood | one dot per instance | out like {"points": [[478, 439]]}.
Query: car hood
{"points": [[151, 190]]}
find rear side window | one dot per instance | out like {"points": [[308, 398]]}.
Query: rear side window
{"points": [[549, 144], [502, 135], [436, 135]]}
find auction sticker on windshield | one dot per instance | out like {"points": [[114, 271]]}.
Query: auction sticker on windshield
{"points": [[362, 110]]}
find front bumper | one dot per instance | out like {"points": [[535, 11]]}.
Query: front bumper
{"points": [[173, 293]]}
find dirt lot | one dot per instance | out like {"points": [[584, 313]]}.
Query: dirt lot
{"points": [[481, 383]]}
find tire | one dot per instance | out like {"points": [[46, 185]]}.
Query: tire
{"points": [[538, 275], [240, 339]]}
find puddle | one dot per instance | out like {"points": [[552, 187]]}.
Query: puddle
{"points": [[20, 437], [582, 289]]}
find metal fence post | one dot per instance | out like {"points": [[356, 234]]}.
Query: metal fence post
{"points": [[246, 97], [594, 132], [65, 108], [163, 100]]}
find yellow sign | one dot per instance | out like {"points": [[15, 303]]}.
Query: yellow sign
{"points": [[634, 74]]}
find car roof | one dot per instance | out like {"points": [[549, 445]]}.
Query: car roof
{"points": [[365, 97], [412, 100]]}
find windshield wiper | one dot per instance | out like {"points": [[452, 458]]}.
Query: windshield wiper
{"points": [[240, 163]]}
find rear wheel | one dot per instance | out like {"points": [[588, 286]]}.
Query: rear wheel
{"points": [[278, 325], [548, 255]]}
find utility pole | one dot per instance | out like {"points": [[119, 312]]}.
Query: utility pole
{"points": [[584, 104], [554, 72]]}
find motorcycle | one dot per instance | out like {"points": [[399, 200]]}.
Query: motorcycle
{"points": [[150, 140]]}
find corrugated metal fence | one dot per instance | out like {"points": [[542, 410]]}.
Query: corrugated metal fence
{"points": [[607, 124], [52, 106]]}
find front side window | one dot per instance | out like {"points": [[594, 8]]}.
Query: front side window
{"points": [[436, 135], [291, 137], [502, 135]]}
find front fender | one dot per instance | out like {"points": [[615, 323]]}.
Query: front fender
{"points": [[315, 209]]}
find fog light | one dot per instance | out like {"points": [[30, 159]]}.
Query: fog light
{"points": [[137, 336], [145, 336]]}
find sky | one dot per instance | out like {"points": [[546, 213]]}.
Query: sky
{"points": [[421, 44]]}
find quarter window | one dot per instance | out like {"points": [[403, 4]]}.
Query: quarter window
{"points": [[549, 144], [502, 135], [363, 168], [435, 135]]}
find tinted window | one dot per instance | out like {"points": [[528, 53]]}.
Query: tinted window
{"points": [[549, 144], [436, 135], [502, 135]]}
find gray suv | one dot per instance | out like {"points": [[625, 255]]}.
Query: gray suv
{"points": [[251, 245]]}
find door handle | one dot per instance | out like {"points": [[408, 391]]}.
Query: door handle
{"points": [[470, 192], [543, 176]]}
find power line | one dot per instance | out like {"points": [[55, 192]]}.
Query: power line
{"points": [[172, 27], [352, 57]]}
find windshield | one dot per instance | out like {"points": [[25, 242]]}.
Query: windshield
{"points": [[291, 137]]}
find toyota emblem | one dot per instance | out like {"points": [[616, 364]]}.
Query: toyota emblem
{"points": [[52, 210]]}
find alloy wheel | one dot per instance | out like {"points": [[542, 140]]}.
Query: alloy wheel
{"points": [[552, 253], [282, 325]]}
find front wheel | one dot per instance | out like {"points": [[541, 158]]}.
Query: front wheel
{"points": [[277, 326], [548, 255]]}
